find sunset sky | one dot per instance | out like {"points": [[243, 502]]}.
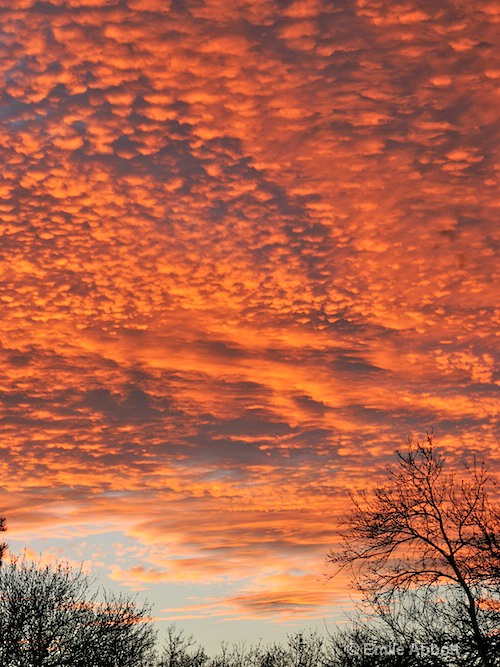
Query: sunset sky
{"points": [[247, 247]]}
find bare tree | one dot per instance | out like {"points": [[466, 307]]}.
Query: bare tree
{"points": [[305, 649], [181, 651], [50, 617], [425, 528], [3, 546]]}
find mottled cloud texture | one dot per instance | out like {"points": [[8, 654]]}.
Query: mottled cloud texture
{"points": [[247, 248]]}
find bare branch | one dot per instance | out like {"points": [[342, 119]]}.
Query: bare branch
{"points": [[424, 528]]}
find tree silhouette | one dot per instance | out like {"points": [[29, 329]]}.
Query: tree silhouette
{"points": [[426, 531], [3, 546], [181, 650], [50, 617]]}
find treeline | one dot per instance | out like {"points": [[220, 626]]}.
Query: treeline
{"points": [[365, 643], [51, 616], [423, 550]]}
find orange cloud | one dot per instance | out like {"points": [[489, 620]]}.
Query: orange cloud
{"points": [[282, 599], [246, 249]]}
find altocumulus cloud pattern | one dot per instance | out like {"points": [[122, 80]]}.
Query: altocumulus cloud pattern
{"points": [[247, 246]]}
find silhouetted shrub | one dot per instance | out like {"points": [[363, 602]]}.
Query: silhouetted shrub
{"points": [[50, 617]]}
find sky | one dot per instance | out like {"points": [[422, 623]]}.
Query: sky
{"points": [[247, 248]]}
